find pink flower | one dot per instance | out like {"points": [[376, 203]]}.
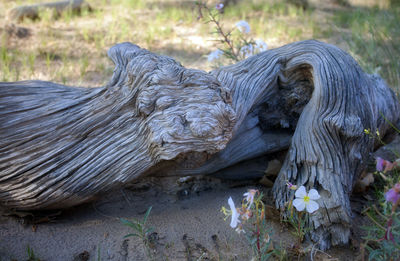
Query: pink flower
{"points": [[249, 197], [379, 164], [393, 195], [384, 165], [291, 186]]}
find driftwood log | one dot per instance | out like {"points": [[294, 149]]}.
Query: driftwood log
{"points": [[61, 146], [33, 11]]}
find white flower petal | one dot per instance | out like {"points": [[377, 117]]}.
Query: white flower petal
{"points": [[243, 26], [312, 206], [214, 55], [235, 219], [261, 45], [299, 204], [247, 196], [313, 194], [301, 192], [231, 204], [235, 214], [240, 229], [247, 51], [251, 203]]}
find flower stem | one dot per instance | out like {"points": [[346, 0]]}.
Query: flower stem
{"points": [[376, 222], [299, 233], [225, 36]]}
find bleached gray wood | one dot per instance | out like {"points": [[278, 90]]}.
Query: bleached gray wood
{"points": [[329, 149], [61, 146]]}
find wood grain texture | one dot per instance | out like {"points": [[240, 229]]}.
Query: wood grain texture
{"points": [[61, 146]]}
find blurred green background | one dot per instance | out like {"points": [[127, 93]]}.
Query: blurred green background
{"points": [[72, 48]]}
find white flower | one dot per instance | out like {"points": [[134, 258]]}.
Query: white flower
{"points": [[260, 46], [219, 6], [215, 55], [243, 26], [305, 200], [235, 215], [240, 229], [246, 51], [250, 196]]}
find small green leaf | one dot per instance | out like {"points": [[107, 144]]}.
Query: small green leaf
{"points": [[132, 235], [147, 215], [135, 225], [149, 230]]}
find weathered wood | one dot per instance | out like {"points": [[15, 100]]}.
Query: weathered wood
{"points": [[33, 11], [61, 146]]}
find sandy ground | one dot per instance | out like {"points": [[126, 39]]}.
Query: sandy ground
{"points": [[186, 226], [187, 222]]}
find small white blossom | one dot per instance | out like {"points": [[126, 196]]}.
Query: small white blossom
{"points": [[249, 197], [243, 26], [219, 6], [260, 45], [305, 200], [215, 55], [240, 229], [246, 51], [235, 215]]}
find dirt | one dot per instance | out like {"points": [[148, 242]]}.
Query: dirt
{"points": [[186, 219]]}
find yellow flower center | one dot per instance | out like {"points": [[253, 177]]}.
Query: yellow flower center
{"points": [[306, 199]]}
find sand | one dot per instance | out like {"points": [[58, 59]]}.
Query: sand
{"points": [[186, 218]]}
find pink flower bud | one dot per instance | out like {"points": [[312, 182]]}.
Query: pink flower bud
{"points": [[291, 186]]}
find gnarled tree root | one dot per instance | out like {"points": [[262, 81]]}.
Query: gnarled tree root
{"points": [[61, 146]]}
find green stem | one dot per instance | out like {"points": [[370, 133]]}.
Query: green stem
{"points": [[376, 222], [299, 234]]}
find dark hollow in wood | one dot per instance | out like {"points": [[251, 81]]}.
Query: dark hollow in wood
{"points": [[61, 146]]}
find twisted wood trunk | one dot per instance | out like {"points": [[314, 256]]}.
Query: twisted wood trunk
{"points": [[61, 146]]}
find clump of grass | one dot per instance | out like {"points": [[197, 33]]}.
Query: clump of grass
{"points": [[382, 241], [31, 254], [383, 234], [373, 38], [141, 231]]}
